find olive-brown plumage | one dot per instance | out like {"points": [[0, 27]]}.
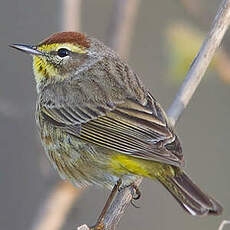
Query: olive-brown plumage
{"points": [[99, 123]]}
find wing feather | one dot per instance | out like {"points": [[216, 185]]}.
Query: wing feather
{"points": [[130, 128]]}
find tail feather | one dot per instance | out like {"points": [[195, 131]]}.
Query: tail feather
{"points": [[190, 197]]}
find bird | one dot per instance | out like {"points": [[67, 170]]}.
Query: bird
{"points": [[100, 125]]}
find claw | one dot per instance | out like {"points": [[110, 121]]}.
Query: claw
{"points": [[133, 204], [136, 194]]}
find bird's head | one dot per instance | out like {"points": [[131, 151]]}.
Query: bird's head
{"points": [[59, 55]]}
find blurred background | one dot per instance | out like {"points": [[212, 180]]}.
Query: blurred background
{"points": [[159, 39]]}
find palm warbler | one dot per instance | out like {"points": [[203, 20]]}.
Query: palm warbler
{"points": [[100, 124]]}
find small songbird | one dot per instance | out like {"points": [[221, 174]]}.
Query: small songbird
{"points": [[99, 124]]}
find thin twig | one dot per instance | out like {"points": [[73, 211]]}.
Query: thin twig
{"points": [[223, 223], [62, 199], [222, 61], [192, 80], [71, 15], [83, 227], [118, 207], [201, 62], [122, 25]]}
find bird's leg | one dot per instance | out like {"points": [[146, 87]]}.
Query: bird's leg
{"points": [[100, 224], [136, 194]]}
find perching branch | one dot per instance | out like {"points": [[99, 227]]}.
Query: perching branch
{"points": [[184, 95], [201, 62], [223, 223], [221, 227], [222, 59]]}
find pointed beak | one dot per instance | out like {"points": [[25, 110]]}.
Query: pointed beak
{"points": [[27, 49]]}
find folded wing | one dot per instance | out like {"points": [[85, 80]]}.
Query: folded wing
{"points": [[130, 128]]}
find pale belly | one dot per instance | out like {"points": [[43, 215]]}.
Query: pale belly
{"points": [[79, 162]]}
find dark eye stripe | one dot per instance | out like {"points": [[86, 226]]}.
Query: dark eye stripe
{"points": [[63, 52]]}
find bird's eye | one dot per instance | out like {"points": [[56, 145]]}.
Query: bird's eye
{"points": [[63, 52]]}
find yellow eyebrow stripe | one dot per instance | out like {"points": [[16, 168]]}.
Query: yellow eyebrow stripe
{"points": [[57, 46]]}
